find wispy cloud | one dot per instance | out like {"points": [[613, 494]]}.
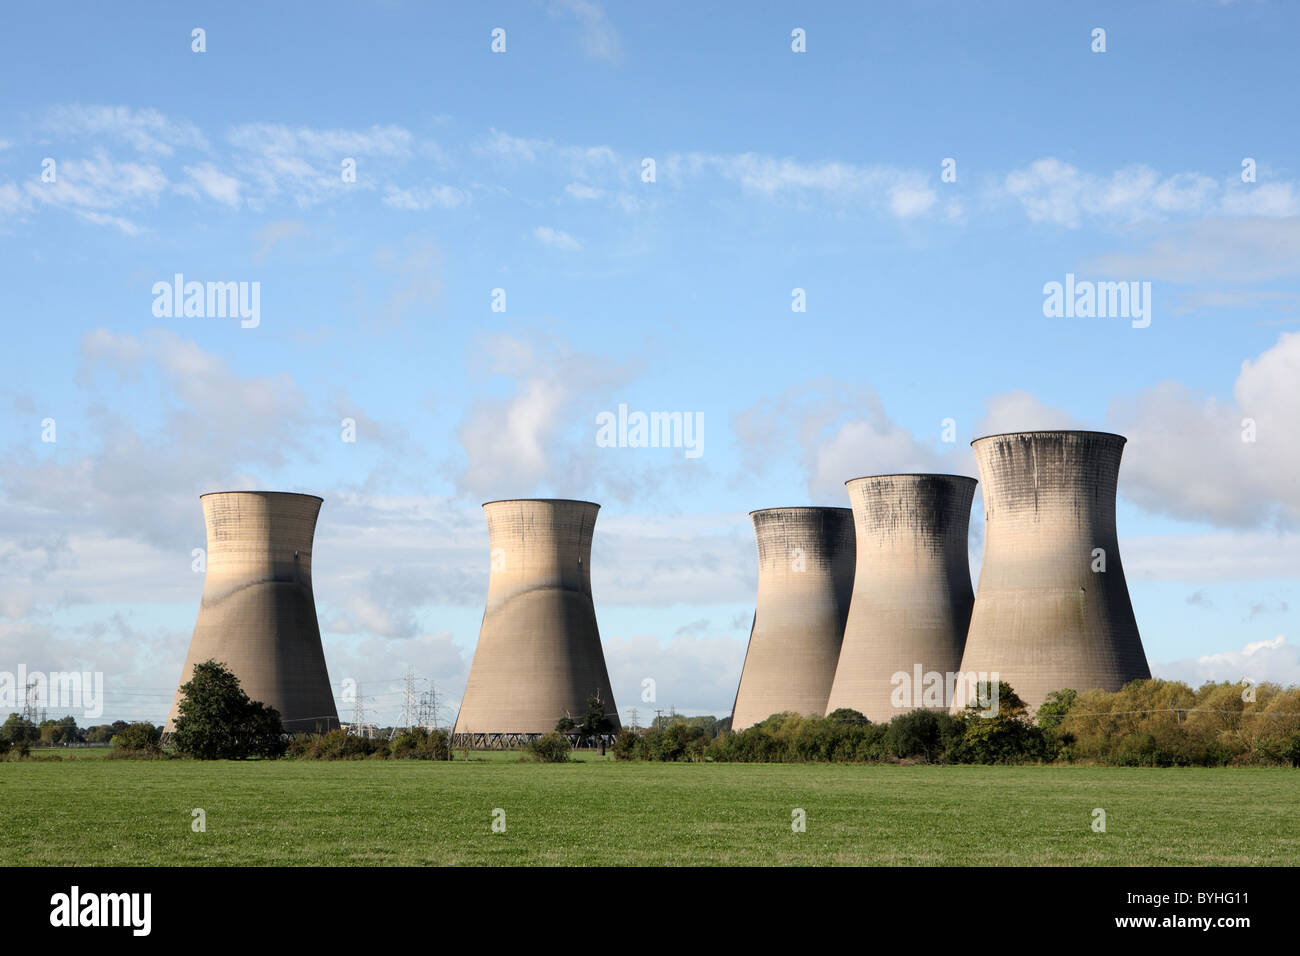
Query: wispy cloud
{"points": [[145, 130], [557, 239], [215, 184], [421, 198], [599, 39]]}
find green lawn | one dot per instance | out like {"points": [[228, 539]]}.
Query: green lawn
{"points": [[602, 812]]}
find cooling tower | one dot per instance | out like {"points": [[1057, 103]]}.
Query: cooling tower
{"points": [[1046, 616], [258, 615], [912, 594], [539, 656], [805, 580]]}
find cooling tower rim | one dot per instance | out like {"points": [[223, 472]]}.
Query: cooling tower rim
{"points": [[548, 501], [246, 491], [1050, 431], [759, 511], [914, 474]]}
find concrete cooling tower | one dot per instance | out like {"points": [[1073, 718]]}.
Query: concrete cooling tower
{"points": [[539, 656], [258, 614], [912, 594], [1047, 616], [805, 580]]}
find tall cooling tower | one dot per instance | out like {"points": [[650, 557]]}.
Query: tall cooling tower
{"points": [[805, 580], [539, 656], [912, 594], [1046, 616], [258, 614]]}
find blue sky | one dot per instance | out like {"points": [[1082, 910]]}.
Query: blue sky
{"points": [[522, 171]]}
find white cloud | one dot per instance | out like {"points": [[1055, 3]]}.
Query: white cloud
{"points": [[276, 232], [332, 144], [421, 198], [542, 434], [1272, 660], [13, 200], [1053, 191], [215, 184], [1020, 411], [146, 130], [1224, 555], [599, 38], [1186, 456], [691, 672], [842, 432], [96, 188], [415, 263], [1272, 200], [1050, 190], [582, 191], [557, 239], [505, 146], [1229, 250], [306, 164], [905, 193]]}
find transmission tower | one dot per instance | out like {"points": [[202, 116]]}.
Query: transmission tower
{"points": [[31, 713], [359, 727], [410, 703], [429, 708]]}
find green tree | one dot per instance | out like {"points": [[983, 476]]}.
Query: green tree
{"points": [[17, 730], [138, 738], [217, 721], [1055, 707], [594, 719], [997, 727]]}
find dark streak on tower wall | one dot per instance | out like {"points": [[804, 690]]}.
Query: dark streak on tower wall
{"points": [[1043, 618], [912, 592]]}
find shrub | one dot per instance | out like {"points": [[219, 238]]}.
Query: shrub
{"points": [[549, 748], [626, 745], [419, 743], [338, 744], [138, 739]]}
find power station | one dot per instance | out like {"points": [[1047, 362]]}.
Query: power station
{"points": [[868, 608], [912, 594], [539, 657], [805, 581], [1052, 610], [258, 614]]}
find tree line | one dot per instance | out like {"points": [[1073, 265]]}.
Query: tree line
{"points": [[1147, 723]]}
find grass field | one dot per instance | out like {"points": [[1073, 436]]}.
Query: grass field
{"points": [[94, 811]]}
